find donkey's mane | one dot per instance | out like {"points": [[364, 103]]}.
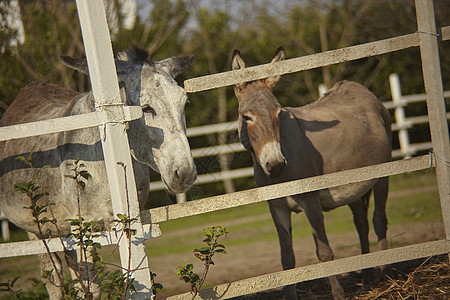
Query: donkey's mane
{"points": [[135, 55]]}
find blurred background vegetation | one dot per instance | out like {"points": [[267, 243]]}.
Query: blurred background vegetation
{"points": [[211, 30]]}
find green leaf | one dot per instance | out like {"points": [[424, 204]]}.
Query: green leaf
{"points": [[223, 251], [85, 175], [21, 187], [189, 267], [81, 185], [45, 220], [38, 196], [122, 217], [208, 232], [203, 250]]}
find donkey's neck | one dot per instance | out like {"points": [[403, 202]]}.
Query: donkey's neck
{"points": [[82, 104]]}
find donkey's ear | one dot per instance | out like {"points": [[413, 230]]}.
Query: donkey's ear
{"points": [[280, 54], [176, 65], [122, 69], [79, 64], [237, 62]]}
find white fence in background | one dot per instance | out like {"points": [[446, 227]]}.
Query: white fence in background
{"points": [[427, 39]]}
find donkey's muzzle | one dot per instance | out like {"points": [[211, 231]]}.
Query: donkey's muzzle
{"points": [[274, 169], [182, 179], [272, 160]]}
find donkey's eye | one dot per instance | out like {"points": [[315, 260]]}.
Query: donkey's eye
{"points": [[148, 110], [279, 113], [247, 118]]}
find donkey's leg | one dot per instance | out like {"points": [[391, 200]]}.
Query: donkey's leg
{"points": [[53, 279], [83, 272], [359, 210], [281, 216], [380, 191], [313, 210]]}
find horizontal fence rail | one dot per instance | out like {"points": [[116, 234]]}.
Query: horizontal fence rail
{"points": [[301, 63], [94, 119], [324, 269], [57, 245], [160, 214], [307, 62]]}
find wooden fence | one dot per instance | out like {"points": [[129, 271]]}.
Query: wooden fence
{"points": [[426, 38]]}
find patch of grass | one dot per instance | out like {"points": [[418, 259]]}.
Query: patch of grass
{"points": [[411, 180]]}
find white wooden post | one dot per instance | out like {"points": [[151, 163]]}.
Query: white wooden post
{"points": [[322, 89], [5, 227], [114, 138], [181, 198], [400, 119], [436, 104]]}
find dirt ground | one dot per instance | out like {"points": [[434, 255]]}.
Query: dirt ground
{"points": [[262, 258], [244, 261]]}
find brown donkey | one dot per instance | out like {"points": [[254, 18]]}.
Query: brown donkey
{"points": [[346, 128]]}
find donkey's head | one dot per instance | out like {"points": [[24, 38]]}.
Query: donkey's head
{"points": [[158, 139], [259, 124]]}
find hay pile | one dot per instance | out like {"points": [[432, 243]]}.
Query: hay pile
{"points": [[429, 280], [413, 280]]}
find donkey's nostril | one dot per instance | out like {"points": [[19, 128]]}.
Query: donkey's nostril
{"points": [[275, 169]]}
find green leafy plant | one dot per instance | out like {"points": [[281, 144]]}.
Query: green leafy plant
{"points": [[36, 292], [205, 254], [116, 284], [38, 205]]}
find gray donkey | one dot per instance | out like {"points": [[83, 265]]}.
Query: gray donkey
{"points": [[157, 140]]}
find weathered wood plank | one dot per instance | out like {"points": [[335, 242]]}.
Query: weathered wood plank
{"points": [[56, 245], [68, 123], [301, 63], [325, 269], [250, 196]]}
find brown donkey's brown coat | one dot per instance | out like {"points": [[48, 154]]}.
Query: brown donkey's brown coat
{"points": [[346, 128]]}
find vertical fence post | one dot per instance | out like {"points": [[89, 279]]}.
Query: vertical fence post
{"points": [[435, 102], [400, 119], [114, 139], [5, 227], [181, 198], [322, 89]]}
